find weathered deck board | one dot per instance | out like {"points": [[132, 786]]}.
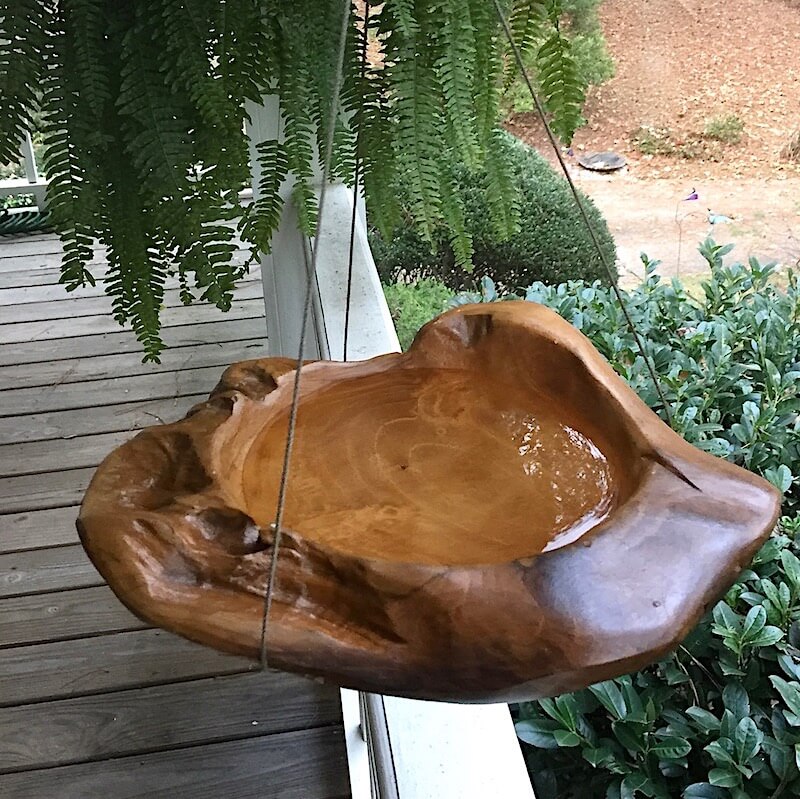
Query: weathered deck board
{"points": [[93, 701], [48, 329], [76, 370], [38, 528], [308, 764], [107, 663], [45, 618], [43, 491], [66, 306], [47, 273], [153, 719], [176, 338], [37, 457], [109, 391], [51, 569], [102, 419]]}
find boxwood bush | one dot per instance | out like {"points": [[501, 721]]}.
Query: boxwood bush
{"points": [[412, 304], [551, 243], [719, 718]]}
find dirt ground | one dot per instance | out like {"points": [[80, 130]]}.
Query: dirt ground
{"points": [[680, 63], [651, 216]]}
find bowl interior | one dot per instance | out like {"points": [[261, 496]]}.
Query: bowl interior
{"points": [[430, 465]]}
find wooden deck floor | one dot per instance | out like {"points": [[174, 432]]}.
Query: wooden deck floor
{"points": [[93, 702]]}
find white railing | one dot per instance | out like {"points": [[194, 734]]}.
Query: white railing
{"points": [[32, 183], [396, 747]]}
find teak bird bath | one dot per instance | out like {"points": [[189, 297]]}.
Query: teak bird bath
{"points": [[491, 516]]}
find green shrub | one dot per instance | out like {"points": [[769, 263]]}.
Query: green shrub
{"points": [[587, 47], [720, 718], [728, 129], [662, 141], [594, 62], [413, 304], [653, 141], [552, 243]]}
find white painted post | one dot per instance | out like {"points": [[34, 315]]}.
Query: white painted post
{"points": [[32, 183], [438, 750]]}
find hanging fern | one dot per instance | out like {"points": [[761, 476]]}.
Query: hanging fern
{"points": [[145, 107], [558, 75]]}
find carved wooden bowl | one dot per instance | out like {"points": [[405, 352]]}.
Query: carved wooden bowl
{"points": [[493, 515]]}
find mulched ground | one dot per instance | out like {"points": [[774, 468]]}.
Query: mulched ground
{"points": [[682, 62]]}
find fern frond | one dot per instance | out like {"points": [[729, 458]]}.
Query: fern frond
{"points": [[455, 70], [487, 71], [528, 21], [501, 190], [562, 90], [22, 44], [72, 199], [453, 216], [261, 219], [418, 132], [144, 111], [400, 15]]}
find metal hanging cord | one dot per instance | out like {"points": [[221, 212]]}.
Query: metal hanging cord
{"points": [[582, 208], [310, 283], [356, 181]]}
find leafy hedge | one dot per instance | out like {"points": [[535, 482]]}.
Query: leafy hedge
{"points": [[413, 304], [550, 243], [720, 718]]}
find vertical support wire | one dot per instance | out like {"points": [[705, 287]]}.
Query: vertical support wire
{"points": [[356, 181], [310, 282], [582, 208]]}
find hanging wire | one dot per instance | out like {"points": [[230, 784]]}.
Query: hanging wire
{"points": [[582, 208], [310, 283], [356, 180]]}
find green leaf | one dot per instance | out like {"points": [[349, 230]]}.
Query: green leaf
{"points": [[747, 740], [671, 747], [725, 617], [703, 790], [790, 692], [753, 624], [724, 778], [706, 721], [566, 738], [720, 753], [629, 736], [735, 699], [598, 757], [636, 783], [610, 697], [788, 664], [769, 636], [538, 732], [791, 565]]}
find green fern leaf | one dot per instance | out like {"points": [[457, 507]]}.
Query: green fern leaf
{"points": [[22, 45], [561, 87], [528, 21], [455, 70], [261, 219]]}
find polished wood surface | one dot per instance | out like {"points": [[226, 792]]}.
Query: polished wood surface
{"points": [[493, 515]]}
